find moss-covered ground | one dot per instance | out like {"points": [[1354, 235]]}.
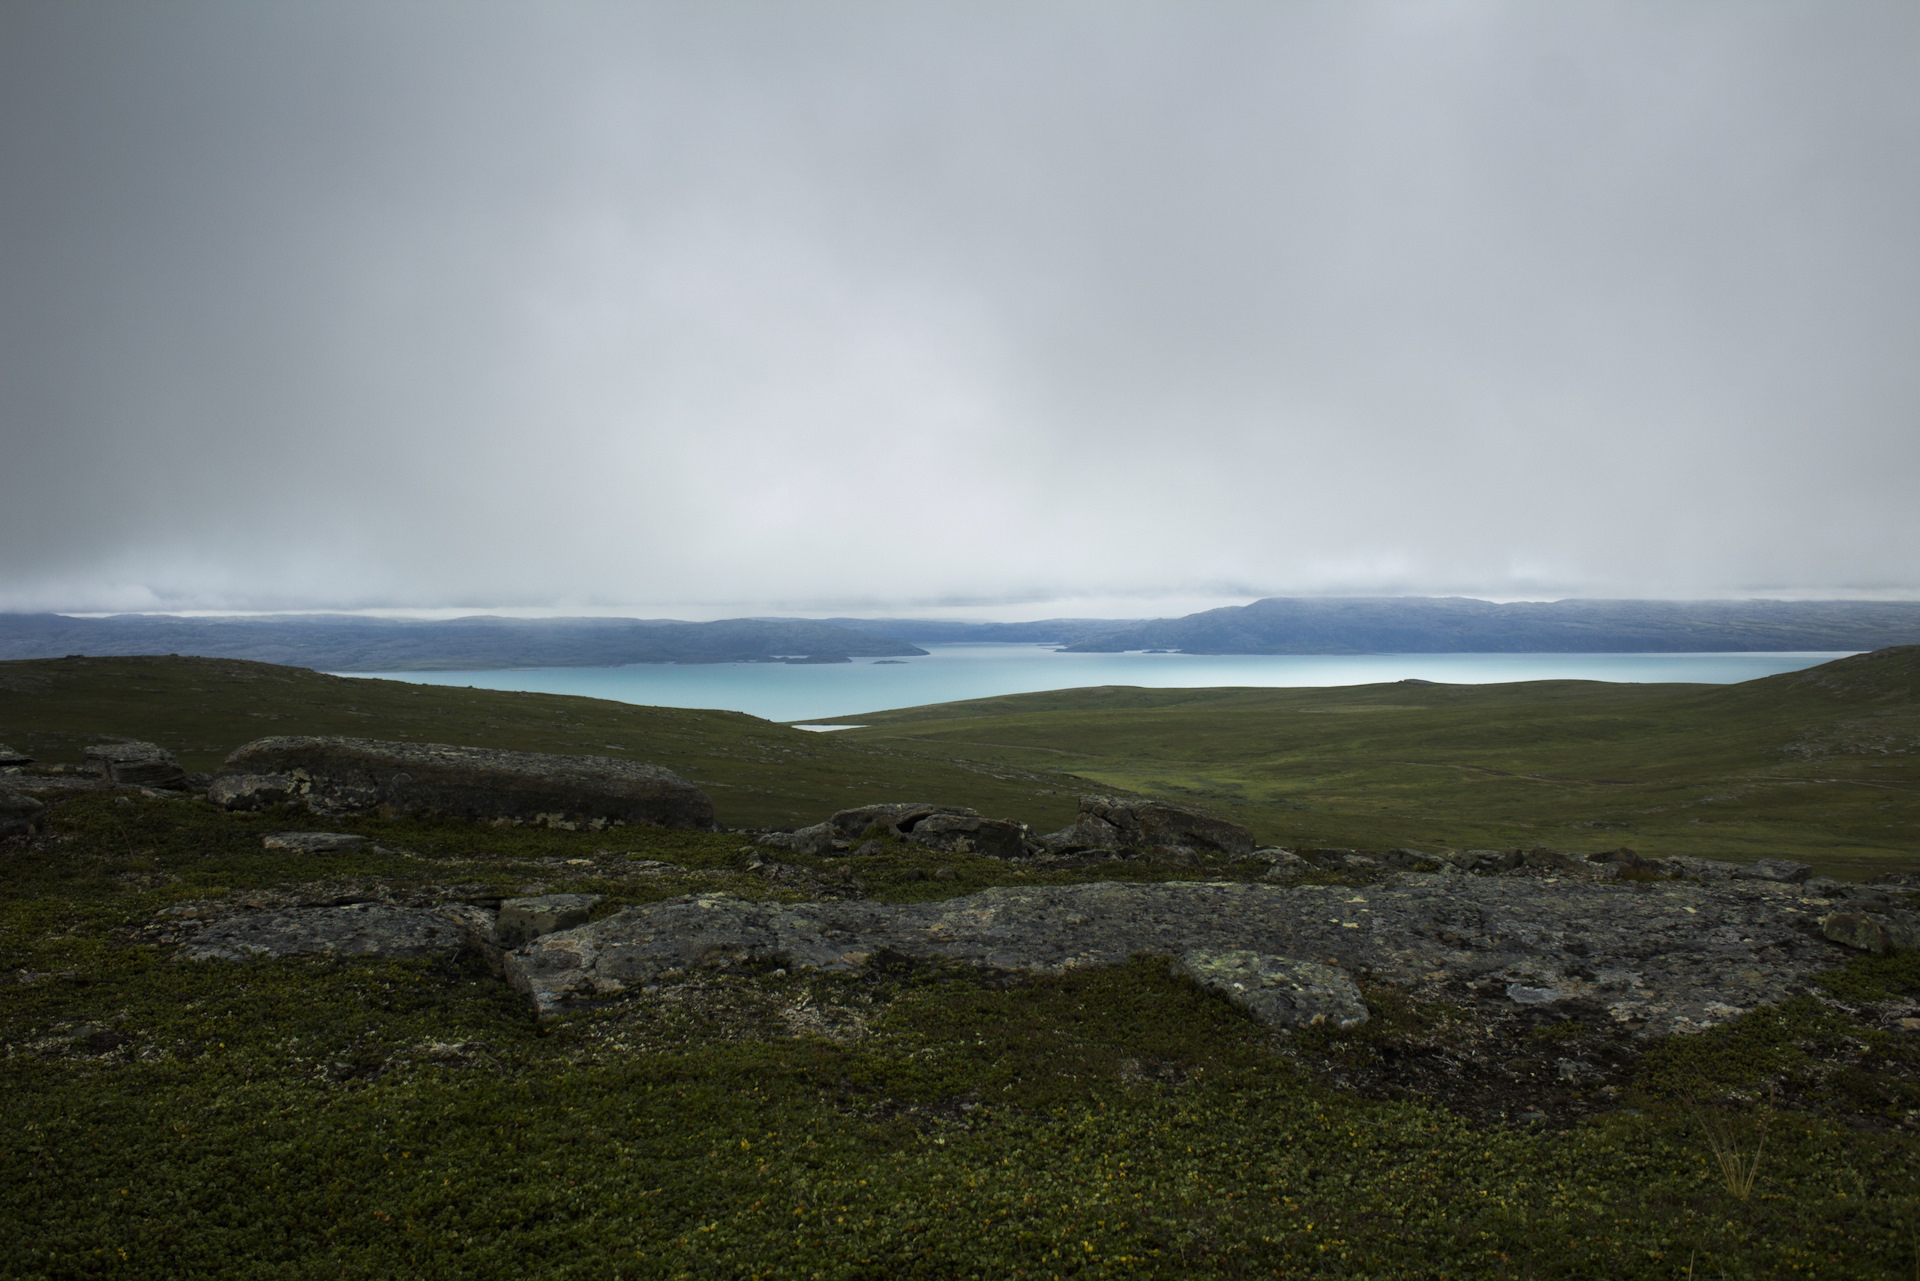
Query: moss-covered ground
{"points": [[301, 1118]]}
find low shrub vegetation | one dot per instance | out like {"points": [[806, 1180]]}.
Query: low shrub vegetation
{"points": [[359, 1118]]}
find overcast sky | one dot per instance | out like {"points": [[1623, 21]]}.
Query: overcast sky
{"points": [[843, 307]]}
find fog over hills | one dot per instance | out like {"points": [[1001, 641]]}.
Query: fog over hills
{"points": [[1403, 625], [348, 643]]}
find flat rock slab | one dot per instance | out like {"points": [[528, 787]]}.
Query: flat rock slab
{"points": [[313, 842], [356, 929], [1655, 957], [350, 775]]}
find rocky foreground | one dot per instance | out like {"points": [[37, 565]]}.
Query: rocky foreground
{"points": [[1646, 957], [1645, 947]]}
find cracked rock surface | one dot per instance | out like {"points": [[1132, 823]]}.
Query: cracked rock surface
{"points": [[1653, 957]]}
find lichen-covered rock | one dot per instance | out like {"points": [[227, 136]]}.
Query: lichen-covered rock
{"points": [[1275, 989], [313, 842], [522, 920], [252, 791], [1105, 822], [135, 764], [10, 757], [345, 775], [1877, 932], [19, 815], [1655, 957], [355, 929]]}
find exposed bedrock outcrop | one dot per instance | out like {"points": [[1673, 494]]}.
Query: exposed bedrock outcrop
{"points": [[1105, 822], [1656, 957], [347, 775]]}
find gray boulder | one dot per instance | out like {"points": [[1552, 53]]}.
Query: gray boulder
{"points": [[252, 791], [1784, 871], [345, 775], [1876, 932], [1105, 822], [135, 764], [357, 929], [1276, 990], [19, 815], [522, 920], [952, 828], [313, 842], [10, 757]]}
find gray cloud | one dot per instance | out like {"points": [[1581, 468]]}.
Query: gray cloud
{"points": [[437, 305]]}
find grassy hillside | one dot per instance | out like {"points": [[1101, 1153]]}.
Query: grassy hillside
{"points": [[760, 774], [1822, 765]]}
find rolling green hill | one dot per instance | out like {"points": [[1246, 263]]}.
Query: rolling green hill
{"points": [[1822, 765], [760, 774]]}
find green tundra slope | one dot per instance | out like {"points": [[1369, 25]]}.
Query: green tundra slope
{"points": [[1820, 765], [760, 774]]}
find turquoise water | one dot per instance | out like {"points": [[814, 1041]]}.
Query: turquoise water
{"points": [[781, 692]]}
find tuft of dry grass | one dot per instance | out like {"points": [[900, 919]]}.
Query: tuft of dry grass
{"points": [[1739, 1169]]}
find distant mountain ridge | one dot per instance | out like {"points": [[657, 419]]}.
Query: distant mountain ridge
{"points": [[348, 643], [1447, 625], [1281, 625], [940, 631]]}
